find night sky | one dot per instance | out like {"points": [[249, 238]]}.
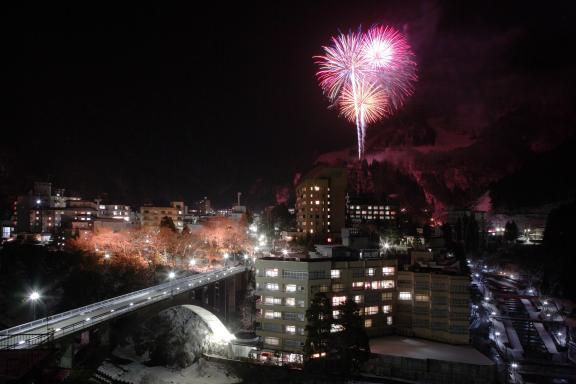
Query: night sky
{"points": [[152, 104]]}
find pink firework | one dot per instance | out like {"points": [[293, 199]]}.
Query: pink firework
{"points": [[369, 100], [389, 54], [342, 63], [367, 75]]}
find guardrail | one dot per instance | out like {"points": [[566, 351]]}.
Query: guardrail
{"points": [[151, 296]]}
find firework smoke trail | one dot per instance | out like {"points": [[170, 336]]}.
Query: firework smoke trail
{"points": [[367, 75]]}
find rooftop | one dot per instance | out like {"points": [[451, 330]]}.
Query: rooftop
{"points": [[424, 349]]}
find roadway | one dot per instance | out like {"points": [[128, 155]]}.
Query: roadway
{"points": [[31, 334]]}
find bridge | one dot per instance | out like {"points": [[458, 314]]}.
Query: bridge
{"points": [[33, 334]]}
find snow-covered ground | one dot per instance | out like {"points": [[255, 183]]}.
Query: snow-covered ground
{"points": [[135, 372], [167, 349]]}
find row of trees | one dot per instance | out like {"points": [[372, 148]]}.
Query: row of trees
{"points": [[341, 340], [165, 246]]}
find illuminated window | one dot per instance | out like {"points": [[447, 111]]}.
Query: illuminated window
{"points": [[336, 328], [386, 271], [367, 323], [421, 298], [272, 314], [317, 202], [290, 287], [337, 287], [335, 273], [358, 299], [316, 188], [371, 310], [386, 308], [357, 285], [269, 300], [387, 284], [369, 271], [336, 314], [404, 296], [272, 340], [272, 272], [272, 286], [338, 300], [290, 301], [291, 329], [389, 320]]}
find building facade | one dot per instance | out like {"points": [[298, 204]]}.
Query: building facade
{"points": [[369, 210], [286, 287], [49, 211], [426, 303], [434, 305], [321, 201], [151, 216]]}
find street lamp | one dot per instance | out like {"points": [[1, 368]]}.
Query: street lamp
{"points": [[171, 276], [33, 298], [285, 252], [226, 257]]}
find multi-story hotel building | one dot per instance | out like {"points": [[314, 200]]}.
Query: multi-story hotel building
{"points": [[286, 287], [321, 201], [427, 303]]}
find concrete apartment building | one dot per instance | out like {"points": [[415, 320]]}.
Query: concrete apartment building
{"points": [[433, 304], [430, 303], [321, 201], [286, 287], [151, 216]]}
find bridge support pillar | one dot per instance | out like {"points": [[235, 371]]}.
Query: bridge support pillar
{"points": [[67, 357], [104, 335]]}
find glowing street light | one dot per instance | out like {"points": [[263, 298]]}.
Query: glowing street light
{"points": [[171, 275], [226, 256], [106, 255], [285, 252], [33, 298], [514, 365]]}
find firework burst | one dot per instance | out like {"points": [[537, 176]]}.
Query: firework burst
{"points": [[367, 75]]}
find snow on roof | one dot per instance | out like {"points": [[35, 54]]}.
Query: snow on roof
{"points": [[425, 349]]}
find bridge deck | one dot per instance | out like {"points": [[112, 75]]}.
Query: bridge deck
{"points": [[31, 334]]}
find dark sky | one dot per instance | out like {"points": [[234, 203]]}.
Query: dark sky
{"points": [[169, 103]]}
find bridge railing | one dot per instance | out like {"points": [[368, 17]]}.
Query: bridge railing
{"points": [[117, 299]]}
